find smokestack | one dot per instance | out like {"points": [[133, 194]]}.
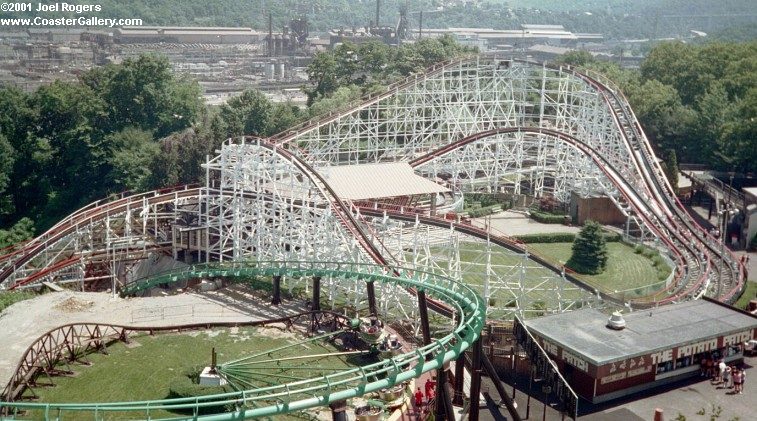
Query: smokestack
{"points": [[378, 12], [420, 26], [270, 34]]}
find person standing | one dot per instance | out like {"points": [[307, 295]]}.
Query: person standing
{"points": [[737, 381], [419, 400], [721, 371], [727, 377], [429, 386]]}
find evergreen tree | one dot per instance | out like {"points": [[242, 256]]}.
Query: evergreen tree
{"points": [[589, 250], [671, 167]]}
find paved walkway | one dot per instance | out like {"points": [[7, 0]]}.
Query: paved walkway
{"points": [[687, 398], [22, 323], [516, 223]]}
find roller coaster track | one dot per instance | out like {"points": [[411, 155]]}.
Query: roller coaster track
{"points": [[731, 274], [616, 178], [649, 195], [664, 211], [293, 396], [85, 217]]}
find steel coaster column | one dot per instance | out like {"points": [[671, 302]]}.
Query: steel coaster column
{"points": [[492, 373], [338, 411], [475, 381], [457, 399], [276, 290], [443, 410], [371, 298], [425, 329]]}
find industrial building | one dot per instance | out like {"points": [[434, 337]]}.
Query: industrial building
{"points": [[186, 35], [526, 36], [604, 360]]}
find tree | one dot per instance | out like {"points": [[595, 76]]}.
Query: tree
{"points": [[247, 114], [671, 169], [576, 58], [132, 151], [589, 250], [144, 93], [21, 231], [7, 159]]}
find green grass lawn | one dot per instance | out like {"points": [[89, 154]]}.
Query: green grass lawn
{"points": [[750, 293], [625, 270], [144, 369]]}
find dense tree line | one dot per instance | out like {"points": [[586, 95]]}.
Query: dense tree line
{"points": [[696, 101], [137, 126], [372, 65]]}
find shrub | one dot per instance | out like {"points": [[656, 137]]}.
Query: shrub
{"points": [[484, 200], [479, 212]]}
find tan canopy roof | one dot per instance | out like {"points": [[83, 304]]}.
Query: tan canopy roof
{"points": [[374, 181]]}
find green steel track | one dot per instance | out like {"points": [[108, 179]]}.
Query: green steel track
{"points": [[308, 393]]}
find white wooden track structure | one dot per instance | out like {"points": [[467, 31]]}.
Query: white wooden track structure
{"points": [[482, 124]]}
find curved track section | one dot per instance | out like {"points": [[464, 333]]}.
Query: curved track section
{"points": [[269, 202], [446, 157], [425, 113], [300, 395]]}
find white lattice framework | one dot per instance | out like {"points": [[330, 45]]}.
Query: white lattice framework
{"points": [[483, 124]]}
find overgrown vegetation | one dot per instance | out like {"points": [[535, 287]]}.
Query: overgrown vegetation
{"points": [[589, 250], [8, 298], [696, 103], [662, 268]]}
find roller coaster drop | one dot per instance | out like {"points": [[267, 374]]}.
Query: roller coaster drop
{"points": [[481, 124]]}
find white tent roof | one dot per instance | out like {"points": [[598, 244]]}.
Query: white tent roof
{"points": [[373, 181]]}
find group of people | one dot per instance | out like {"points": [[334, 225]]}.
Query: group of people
{"points": [[430, 388], [729, 376]]}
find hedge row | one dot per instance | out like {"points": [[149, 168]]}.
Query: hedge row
{"points": [[560, 237], [546, 218], [479, 212], [563, 237]]}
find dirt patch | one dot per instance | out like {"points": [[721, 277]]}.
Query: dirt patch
{"points": [[276, 333], [74, 305]]}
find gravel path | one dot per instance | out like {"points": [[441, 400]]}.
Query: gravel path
{"points": [[22, 323], [514, 223]]}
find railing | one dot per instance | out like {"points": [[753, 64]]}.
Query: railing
{"points": [[266, 401]]}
